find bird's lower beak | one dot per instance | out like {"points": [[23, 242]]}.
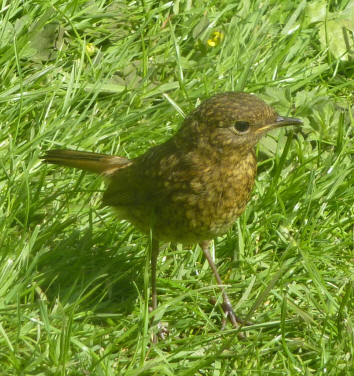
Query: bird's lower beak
{"points": [[281, 121]]}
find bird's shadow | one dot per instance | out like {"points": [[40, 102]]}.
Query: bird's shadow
{"points": [[82, 269]]}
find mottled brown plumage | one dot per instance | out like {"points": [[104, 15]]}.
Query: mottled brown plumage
{"points": [[191, 188]]}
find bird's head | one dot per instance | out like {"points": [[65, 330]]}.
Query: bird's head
{"points": [[233, 120]]}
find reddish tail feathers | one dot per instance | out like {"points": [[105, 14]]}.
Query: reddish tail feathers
{"points": [[94, 162]]}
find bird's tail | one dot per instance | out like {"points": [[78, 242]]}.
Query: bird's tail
{"points": [[94, 162]]}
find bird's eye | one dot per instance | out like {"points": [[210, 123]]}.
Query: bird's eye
{"points": [[242, 126]]}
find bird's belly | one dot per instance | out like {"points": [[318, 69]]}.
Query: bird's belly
{"points": [[203, 206], [193, 218]]}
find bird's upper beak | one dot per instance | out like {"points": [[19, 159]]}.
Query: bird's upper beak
{"points": [[281, 121]]}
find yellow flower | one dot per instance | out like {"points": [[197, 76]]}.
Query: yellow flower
{"points": [[216, 38], [90, 49]]}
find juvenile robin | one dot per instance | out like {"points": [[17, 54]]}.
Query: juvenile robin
{"points": [[191, 188]]}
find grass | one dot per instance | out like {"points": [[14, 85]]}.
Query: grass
{"points": [[117, 77]]}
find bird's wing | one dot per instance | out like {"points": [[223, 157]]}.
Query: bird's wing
{"points": [[149, 178]]}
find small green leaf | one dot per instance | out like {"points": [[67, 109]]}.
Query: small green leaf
{"points": [[44, 42], [336, 37], [316, 11]]}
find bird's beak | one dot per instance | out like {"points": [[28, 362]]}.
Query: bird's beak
{"points": [[281, 121]]}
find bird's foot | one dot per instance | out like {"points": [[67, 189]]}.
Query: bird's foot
{"points": [[230, 315], [161, 334], [234, 319], [162, 331]]}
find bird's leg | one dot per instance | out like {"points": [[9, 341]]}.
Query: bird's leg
{"points": [[227, 307], [162, 331], [154, 254]]}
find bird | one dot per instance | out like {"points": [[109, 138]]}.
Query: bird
{"points": [[191, 188]]}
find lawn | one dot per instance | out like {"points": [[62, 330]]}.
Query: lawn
{"points": [[118, 77]]}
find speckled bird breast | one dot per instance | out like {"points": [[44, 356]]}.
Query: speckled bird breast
{"points": [[209, 203]]}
